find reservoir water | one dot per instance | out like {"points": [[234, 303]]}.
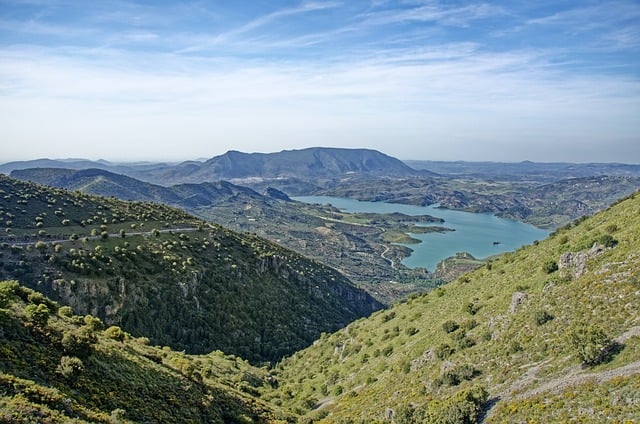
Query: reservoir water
{"points": [[479, 234]]}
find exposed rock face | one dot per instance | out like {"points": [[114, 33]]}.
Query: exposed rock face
{"points": [[576, 262], [517, 299]]}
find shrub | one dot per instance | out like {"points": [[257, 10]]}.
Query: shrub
{"points": [[93, 322], [114, 332], [450, 326], [457, 375], [38, 315], [8, 291], [463, 407], [469, 324], [65, 311], [70, 367], [79, 342], [471, 308], [607, 240], [465, 342], [591, 344], [411, 331], [550, 266], [443, 351], [541, 317]]}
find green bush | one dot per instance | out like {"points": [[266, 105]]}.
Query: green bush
{"points": [[541, 317], [8, 292], [607, 240], [591, 344], [443, 351], [65, 311], [462, 408], [450, 326], [38, 315], [114, 332], [550, 266], [93, 323], [79, 342], [457, 375], [471, 307], [70, 367]]}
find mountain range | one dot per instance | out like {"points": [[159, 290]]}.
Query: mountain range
{"points": [[306, 164]]}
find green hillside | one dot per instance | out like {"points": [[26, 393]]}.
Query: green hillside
{"points": [[56, 367], [549, 333], [160, 273]]}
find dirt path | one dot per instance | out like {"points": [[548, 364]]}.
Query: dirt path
{"points": [[391, 262], [113, 235], [575, 376]]}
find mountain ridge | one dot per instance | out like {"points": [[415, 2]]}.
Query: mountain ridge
{"points": [[160, 272]]}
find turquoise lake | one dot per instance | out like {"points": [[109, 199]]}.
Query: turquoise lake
{"points": [[474, 233]]}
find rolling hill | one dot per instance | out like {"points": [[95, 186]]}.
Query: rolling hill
{"points": [[359, 250], [159, 272]]}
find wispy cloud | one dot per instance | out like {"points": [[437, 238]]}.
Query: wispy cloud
{"points": [[460, 16]]}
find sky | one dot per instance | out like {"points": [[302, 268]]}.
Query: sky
{"points": [[547, 80]]}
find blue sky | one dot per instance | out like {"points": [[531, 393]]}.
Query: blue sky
{"points": [[442, 80]]}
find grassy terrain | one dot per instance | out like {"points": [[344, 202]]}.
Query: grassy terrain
{"points": [[522, 338]]}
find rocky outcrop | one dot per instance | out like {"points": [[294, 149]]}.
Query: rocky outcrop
{"points": [[575, 263], [517, 299]]}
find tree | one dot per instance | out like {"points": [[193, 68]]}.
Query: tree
{"points": [[591, 343], [114, 332], [70, 367], [38, 315]]}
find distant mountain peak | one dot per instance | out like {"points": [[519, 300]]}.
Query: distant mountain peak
{"points": [[308, 163]]}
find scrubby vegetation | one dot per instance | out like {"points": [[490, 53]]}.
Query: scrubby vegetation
{"points": [[66, 369]]}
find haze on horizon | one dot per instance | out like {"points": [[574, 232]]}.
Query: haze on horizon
{"points": [[545, 81]]}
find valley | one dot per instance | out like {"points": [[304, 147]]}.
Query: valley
{"points": [[128, 301]]}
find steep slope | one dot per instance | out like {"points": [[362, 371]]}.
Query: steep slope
{"points": [[159, 272], [550, 333], [56, 367]]}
